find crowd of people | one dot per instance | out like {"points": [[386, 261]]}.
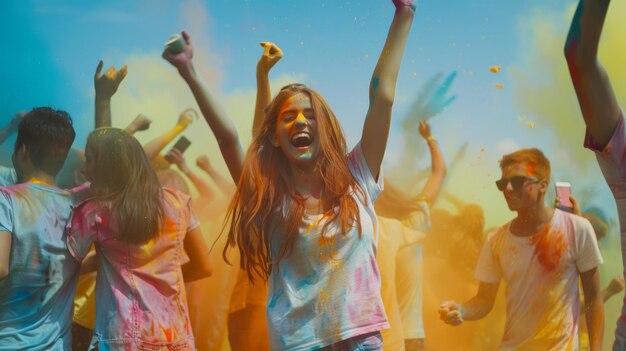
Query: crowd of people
{"points": [[106, 248]]}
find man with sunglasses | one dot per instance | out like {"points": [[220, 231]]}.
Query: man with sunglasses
{"points": [[540, 256], [605, 134]]}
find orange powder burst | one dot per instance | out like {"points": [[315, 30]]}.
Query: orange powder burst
{"points": [[495, 69], [499, 86]]}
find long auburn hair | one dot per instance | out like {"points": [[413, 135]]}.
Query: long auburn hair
{"points": [[265, 191], [396, 203], [123, 175]]}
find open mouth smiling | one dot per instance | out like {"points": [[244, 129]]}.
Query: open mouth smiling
{"points": [[301, 140]]}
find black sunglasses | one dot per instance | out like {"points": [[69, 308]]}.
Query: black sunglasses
{"points": [[516, 182]]}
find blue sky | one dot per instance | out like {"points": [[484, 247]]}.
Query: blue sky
{"points": [[55, 44]]}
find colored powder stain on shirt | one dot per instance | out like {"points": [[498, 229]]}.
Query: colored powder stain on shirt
{"points": [[167, 332], [327, 252], [310, 228], [358, 280], [549, 246], [550, 326], [324, 298]]}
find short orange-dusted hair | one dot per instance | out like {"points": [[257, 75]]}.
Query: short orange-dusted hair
{"points": [[535, 162]]}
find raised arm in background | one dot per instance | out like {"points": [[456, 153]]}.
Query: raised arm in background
{"points": [[226, 187], [153, 147], [106, 85], [140, 123], [271, 54], [438, 169], [222, 127], [595, 94], [204, 189]]}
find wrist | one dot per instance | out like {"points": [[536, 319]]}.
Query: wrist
{"points": [[262, 69], [102, 99], [187, 71], [405, 4], [431, 138]]}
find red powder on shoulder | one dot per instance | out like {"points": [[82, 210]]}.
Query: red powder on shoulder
{"points": [[549, 246]]}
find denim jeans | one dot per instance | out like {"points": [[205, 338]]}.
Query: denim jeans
{"points": [[366, 342]]}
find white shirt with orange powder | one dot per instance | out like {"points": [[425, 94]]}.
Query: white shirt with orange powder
{"points": [[541, 275]]}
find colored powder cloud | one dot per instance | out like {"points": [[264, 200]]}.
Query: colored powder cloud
{"points": [[541, 80], [154, 88]]}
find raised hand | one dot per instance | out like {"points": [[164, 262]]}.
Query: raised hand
{"points": [[433, 98], [616, 285], [271, 54], [106, 84], [405, 3], [186, 118], [141, 122], [424, 130], [181, 60], [451, 313], [203, 163], [176, 157]]}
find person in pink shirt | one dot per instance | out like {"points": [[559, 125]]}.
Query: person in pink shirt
{"points": [[148, 243], [601, 112]]}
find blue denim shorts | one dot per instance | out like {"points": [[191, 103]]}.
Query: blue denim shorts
{"points": [[366, 342]]}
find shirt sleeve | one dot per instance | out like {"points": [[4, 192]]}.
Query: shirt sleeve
{"points": [[6, 213], [81, 231], [615, 150], [486, 269], [7, 176], [361, 171], [193, 221], [588, 254]]}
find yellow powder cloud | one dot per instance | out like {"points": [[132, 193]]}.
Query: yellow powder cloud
{"points": [[541, 80]]}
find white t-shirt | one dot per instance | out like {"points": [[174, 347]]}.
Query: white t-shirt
{"points": [[394, 237], [7, 176], [541, 275], [328, 289], [409, 278]]}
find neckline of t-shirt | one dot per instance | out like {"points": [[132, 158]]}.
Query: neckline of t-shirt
{"points": [[557, 212]]}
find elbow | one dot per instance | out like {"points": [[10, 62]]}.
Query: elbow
{"points": [[4, 272], [572, 50], [578, 59], [569, 51], [206, 268], [383, 94]]}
